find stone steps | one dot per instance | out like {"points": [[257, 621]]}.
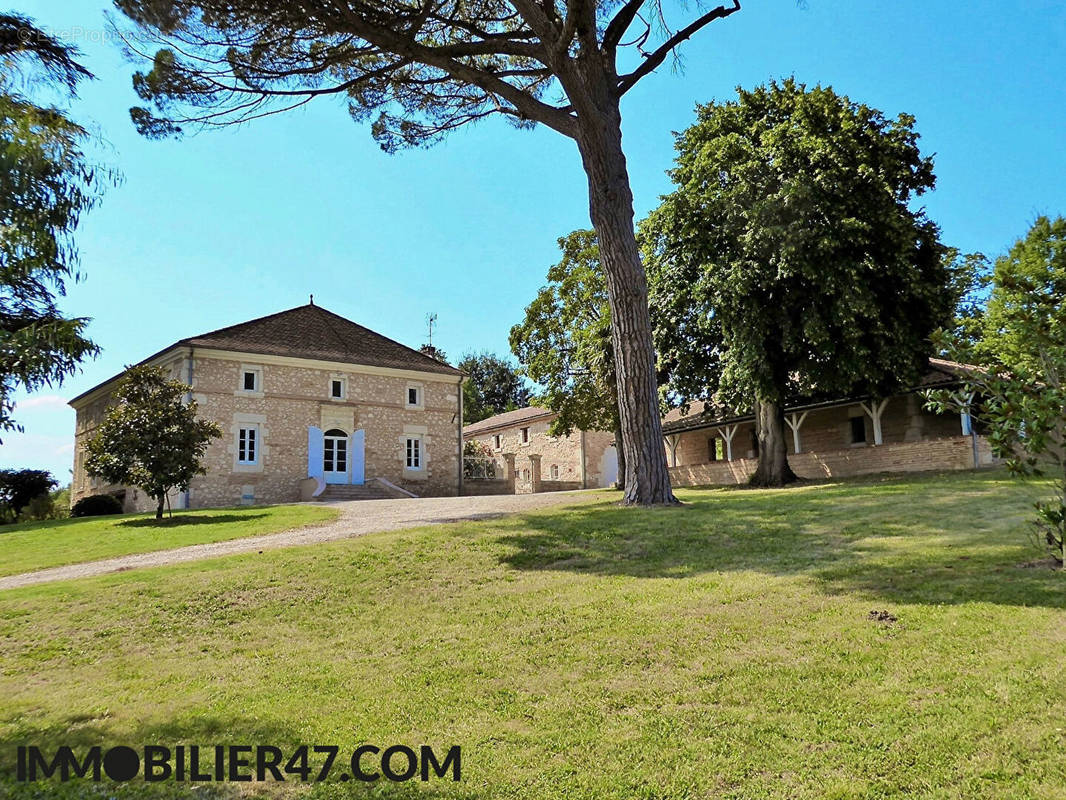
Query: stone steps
{"points": [[368, 491]]}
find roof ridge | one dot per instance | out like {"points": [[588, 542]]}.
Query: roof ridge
{"points": [[336, 334], [240, 324]]}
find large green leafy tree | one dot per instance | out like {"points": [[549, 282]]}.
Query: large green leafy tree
{"points": [[46, 184], [425, 68], [564, 343], [1018, 344], [150, 436], [789, 261], [492, 387]]}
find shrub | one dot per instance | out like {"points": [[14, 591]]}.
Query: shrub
{"points": [[96, 505]]}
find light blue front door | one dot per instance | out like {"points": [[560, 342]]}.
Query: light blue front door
{"points": [[358, 443]]}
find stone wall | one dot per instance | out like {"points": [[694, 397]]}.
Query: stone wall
{"points": [[829, 429], [291, 398], [937, 454], [563, 453], [475, 487]]}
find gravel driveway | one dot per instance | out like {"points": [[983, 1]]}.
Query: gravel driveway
{"points": [[357, 518]]}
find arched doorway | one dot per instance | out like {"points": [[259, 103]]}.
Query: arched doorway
{"points": [[335, 456]]}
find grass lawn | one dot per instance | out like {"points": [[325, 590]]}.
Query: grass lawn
{"points": [[37, 545], [723, 649]]}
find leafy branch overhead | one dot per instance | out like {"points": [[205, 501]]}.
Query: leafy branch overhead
{"points": [[47, 183], [424, 68]]}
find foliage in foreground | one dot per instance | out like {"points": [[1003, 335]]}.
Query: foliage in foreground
{"points": [[151, 436], [1018, 345], [47, 182]]}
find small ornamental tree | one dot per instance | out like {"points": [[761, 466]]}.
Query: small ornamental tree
{"points": [[1018, 344], [150, 437], [564, 344], [788, 260]]}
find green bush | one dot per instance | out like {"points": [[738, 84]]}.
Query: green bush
{"points": [[55, 505], [96, 505]]}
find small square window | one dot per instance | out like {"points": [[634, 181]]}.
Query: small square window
{"points": [[251, 380], [525, 435], [336, 389]]}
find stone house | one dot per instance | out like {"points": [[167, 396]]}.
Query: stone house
{"points": [[831, 438], [525, 458], [311, 404]]}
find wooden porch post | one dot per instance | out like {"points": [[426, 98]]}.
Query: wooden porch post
{"points": [[875, 409], [794, 421], [728, 432]]}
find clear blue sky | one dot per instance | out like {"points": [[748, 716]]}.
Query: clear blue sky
{"points": [[231, 225]]}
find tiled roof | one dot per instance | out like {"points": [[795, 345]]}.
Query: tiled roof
{"points": [[507, 419], [311, 331]]}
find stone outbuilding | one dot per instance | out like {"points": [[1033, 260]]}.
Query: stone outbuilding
{"points": [[311, 404], [831, 438], [518, 454]]}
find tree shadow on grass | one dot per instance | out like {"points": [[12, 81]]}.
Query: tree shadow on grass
{"points": [[905, 543], [181, 520], [81, 732]]}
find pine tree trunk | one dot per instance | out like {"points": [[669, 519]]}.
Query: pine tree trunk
{"points": [[159, 507], [773, 468], [620, 449], [646, 479]]}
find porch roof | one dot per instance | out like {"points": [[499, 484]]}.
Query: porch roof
{"points": [[941, 374]]}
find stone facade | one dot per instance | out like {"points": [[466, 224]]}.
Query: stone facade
{"points": [[542, 462], [941, 454], [833, 442], [291, 397]]}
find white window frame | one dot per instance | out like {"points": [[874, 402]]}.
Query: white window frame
{"points": [[414, 446], [256, 440], [553, 472], [420, 395]]}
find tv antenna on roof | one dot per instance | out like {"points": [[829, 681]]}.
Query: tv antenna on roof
{"points": [[431, 320]]}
